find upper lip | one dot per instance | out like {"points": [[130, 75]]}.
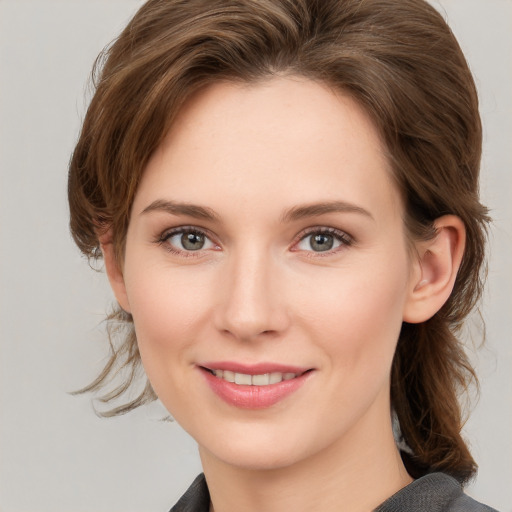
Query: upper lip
{"points": [[254, 368]]}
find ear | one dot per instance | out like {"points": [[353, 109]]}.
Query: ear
{"points": [[434, 272], [114, 270]]}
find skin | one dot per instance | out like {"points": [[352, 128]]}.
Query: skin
{"points": [[259, 292]]}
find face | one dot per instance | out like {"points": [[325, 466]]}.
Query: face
{"points": [[266, 247]]}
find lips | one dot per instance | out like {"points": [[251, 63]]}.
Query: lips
{"points": [[262, 379], [253, 386]]}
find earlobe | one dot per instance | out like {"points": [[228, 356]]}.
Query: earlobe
{"points": [[114, 271], [437, 265]]}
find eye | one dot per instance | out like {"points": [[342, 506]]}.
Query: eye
{"points": [[183, 240], [323, 240]]}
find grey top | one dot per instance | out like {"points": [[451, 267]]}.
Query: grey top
{"points": [[435, 492]]}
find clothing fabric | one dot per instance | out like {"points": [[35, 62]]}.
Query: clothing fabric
{"points": [[196, 499], [435, 492]]}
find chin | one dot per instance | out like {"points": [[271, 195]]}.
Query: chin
{"points": [[258, 458], [260, 449]]}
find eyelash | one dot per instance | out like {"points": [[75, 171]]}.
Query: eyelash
{"points": [[343, 238], [164, 238]]}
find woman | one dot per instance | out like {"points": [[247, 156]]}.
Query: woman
{"points": [[285, 194]]}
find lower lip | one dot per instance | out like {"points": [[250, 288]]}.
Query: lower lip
{"points": [[253, 397]]}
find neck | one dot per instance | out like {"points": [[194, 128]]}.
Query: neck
{"points": [[356, 474]]}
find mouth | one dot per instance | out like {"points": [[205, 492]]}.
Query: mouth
{"points": [[254, 386], [261, 379]]}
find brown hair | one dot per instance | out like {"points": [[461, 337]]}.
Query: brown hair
{"points": [[400, 61]]}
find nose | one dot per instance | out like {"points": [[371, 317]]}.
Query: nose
{"points": [[250, 297]]}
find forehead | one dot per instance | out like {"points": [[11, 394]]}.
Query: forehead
{"points": [[286, 134]]}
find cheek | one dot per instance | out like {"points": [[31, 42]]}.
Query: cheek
{"points": [[359, 311], [167, 308]]}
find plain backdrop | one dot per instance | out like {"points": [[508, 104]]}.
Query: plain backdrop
{"points": [[55, 454]]}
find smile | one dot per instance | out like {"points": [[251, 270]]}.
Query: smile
{"points": [[264, 379], [255, 386]]}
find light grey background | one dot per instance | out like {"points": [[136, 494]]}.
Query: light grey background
{"points": [[55, 454]]}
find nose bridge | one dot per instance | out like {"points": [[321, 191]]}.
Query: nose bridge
{"points": [[251, 302]]}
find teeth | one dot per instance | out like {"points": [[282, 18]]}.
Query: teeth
{"points": [[229, 376], [261, 380], [242, 378], [253, 380], [276, 377]]}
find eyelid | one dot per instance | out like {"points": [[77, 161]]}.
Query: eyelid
{"points": [[346, 240], [165, 235], [343, 237]]}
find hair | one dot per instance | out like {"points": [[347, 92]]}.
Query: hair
{"points": [[400, 61]]}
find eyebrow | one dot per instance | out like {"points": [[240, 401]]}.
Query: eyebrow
{"points": [[293, 214], [176, 208], [317, 209]]}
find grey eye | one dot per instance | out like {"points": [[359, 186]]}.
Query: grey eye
{"points": [[192, 241], [189, 240], [321, 242]]}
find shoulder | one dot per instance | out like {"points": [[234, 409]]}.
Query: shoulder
{"points": [[195, 499], [435, 492]]}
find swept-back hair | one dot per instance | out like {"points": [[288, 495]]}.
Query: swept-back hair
{"points": [[400, 61]]}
